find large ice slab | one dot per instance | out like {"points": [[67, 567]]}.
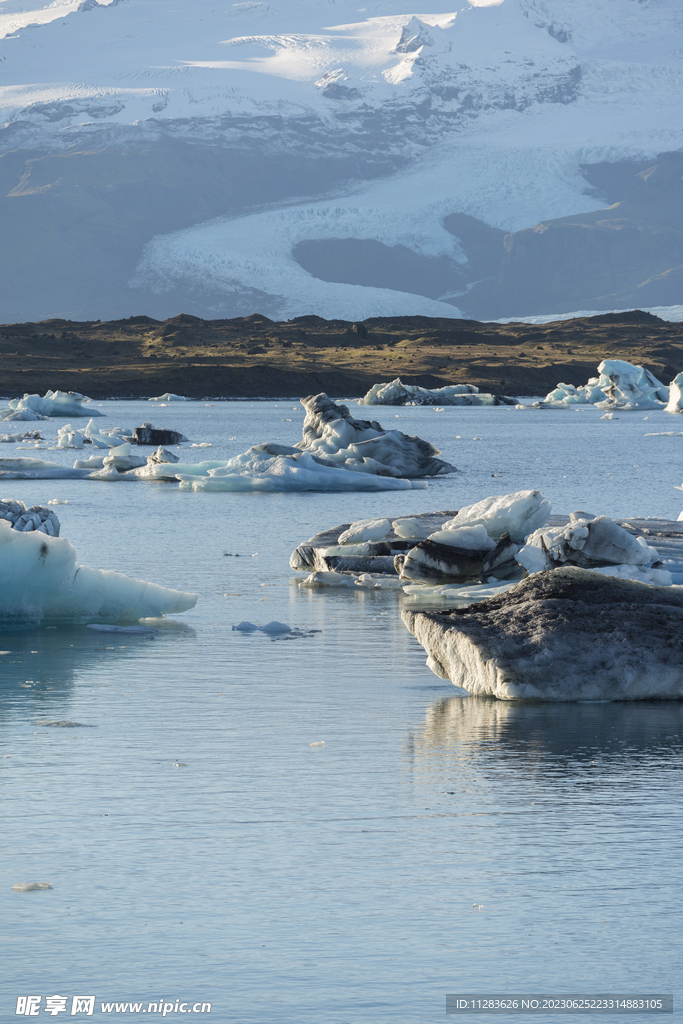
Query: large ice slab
{"points": [[518, 514], [256, 470], [564, 634], [675, 403], [26, 468], [41, 581], [395, 392], [621, 385], [331, 432]]}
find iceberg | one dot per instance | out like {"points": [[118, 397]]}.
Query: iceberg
{"points": [[518, 514], [42, 582], [28, 435], [398, 393], [561, 635], [621, 385], [331, 433], [54, 403], [169, 398]]}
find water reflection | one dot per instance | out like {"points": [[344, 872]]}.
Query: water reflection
{"points": [[39, 666], [474, 727]]}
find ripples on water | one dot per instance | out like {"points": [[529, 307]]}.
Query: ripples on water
{"points": [[283, 882]]}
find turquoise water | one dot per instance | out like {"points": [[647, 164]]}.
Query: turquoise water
{"points": [[284, 882]]}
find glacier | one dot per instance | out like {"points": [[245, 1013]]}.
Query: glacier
{"points": [[229, 151]]}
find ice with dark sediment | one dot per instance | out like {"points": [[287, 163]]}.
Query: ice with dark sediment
{"points": [[53, 403], [480, 541], [592, 542], [42, 582], [620, 385], [395, 392], [562, 634], [37, 518]]}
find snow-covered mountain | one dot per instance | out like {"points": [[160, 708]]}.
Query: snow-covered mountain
{"points": [[314, 156]]}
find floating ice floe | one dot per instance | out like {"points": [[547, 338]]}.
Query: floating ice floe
{"points": [[27, 468], [26, 520], [41, 582], [53, 403], [565, 634], [621, 385], [272, 628], [170, 398], [397, 393], [589, 542]]}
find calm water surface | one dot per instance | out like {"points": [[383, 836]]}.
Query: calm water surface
{"points": [[284, 882]]}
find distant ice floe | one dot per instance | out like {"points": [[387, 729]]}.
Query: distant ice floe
{"points": [[53, 403], [42, 582], [170, 398], [620, 386], [398, 393], [27, 435]]}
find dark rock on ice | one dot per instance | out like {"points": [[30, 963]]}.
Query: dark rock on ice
{"points": [[563, 634], [147, 434]]}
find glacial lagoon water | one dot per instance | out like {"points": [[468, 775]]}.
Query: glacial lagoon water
{"points": [[200, 849]]}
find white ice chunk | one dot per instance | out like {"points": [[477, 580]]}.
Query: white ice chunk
{"points": [[170, 398], [471, 538], [92, 463], [409, 529], [518, 514], [365, 530], [122, 458], [675, 394], [41, 581]]}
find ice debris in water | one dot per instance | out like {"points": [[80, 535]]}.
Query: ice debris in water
{"points": [[169, 398], [59, 501], [318, 743], [271, 628], [42, 581], [398, 393], [621, 385], [30, 886], [55, 724]]}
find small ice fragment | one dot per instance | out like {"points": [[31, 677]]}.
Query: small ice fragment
{"points": [[30, 886], [57, 501], [276, 627], [64, 725], [245, 627], [318, 743], [179, 764]]}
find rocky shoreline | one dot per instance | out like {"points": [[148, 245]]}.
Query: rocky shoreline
{"points": [[254, 357]]}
